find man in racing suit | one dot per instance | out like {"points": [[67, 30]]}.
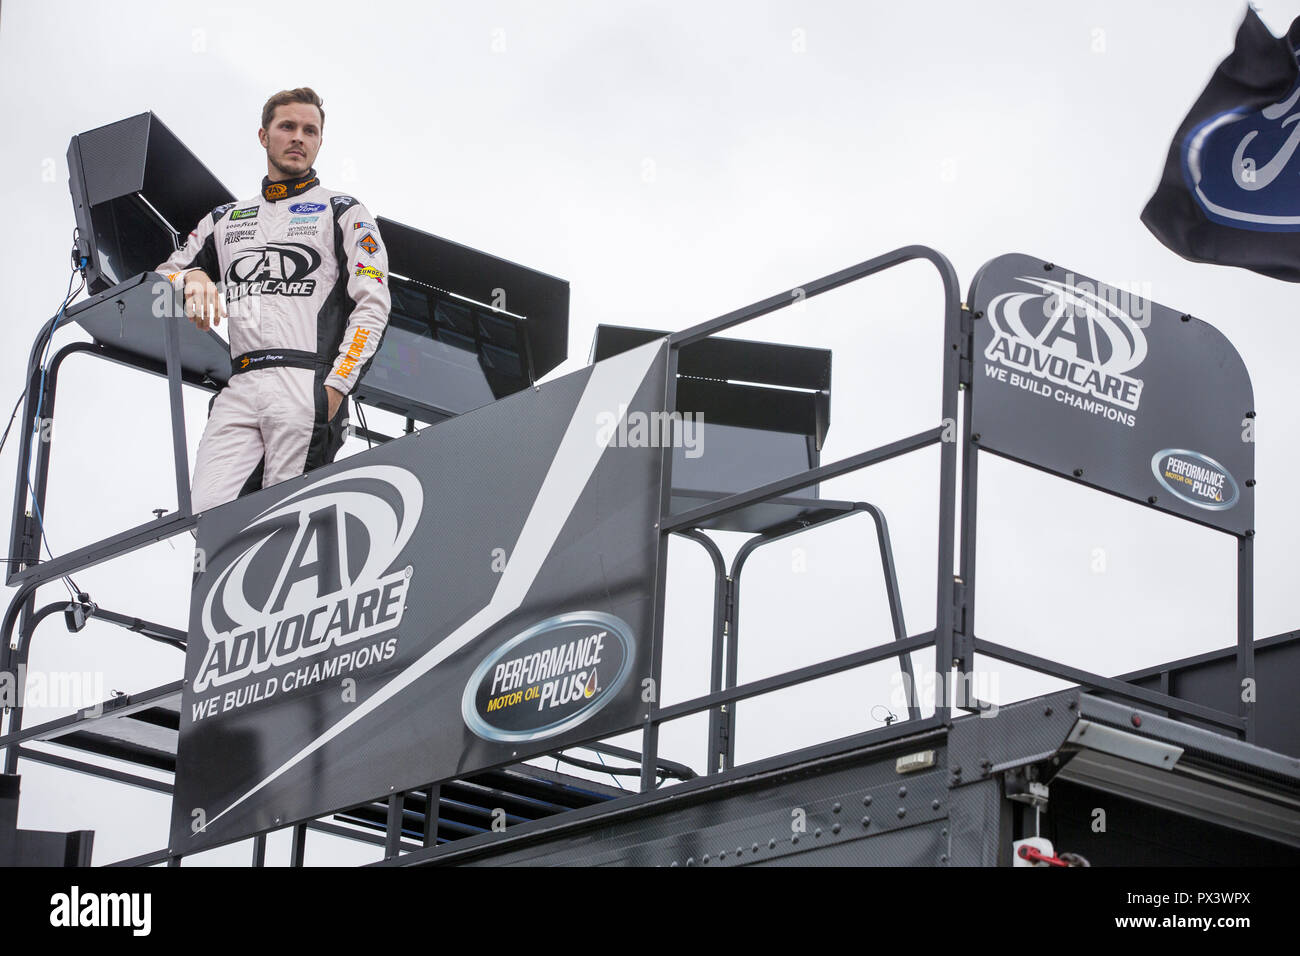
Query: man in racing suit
{"points": [[303, 272]]}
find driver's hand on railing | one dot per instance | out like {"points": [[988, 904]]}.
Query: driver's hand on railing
{"points": [[204, 304]]}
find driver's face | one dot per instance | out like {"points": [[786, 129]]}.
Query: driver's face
{"points": [[293, 139]]}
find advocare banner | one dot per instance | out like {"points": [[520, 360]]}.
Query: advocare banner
{"points": [[466, 596], [1105, 387]]}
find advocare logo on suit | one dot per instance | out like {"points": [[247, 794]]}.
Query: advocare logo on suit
{"points": [[316, 575]]}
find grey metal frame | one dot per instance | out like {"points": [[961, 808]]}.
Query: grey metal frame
{"points": [[952, 637]]}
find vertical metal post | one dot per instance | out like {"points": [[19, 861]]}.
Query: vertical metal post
{"points": [[393, 826], [943, 615], [728, 725], [1246, 633], [650, 733], [431, 813], [18, 661], [171, 341], [21, 547], [965, 622], [717, 729], [895, 601], [259, 850], [298, 845]]}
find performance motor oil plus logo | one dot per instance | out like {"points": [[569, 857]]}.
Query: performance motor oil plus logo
{"points": [[316, 579], [1066, 343], [1195, 478], [550, 678]]}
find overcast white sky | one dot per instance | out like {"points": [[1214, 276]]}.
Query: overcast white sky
{"points": [[674, 162]]}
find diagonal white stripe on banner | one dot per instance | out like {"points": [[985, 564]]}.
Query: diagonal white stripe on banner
{"points": [[613, 382]]}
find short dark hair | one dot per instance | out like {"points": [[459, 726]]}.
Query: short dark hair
{"points": [[303, 94]]}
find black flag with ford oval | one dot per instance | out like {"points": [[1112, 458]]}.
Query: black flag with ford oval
{"points": [[1230, 193]]}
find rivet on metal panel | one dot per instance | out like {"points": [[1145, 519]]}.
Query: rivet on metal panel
{"points": [[902, 812], [1078, 472], [866, 801], [985, 766], [1137, 720], [835, 809], [771, 844], [1049, 266], [835, 829], [866, 821], [934, 805], [1047, 712], [754, 848], [690, 861], [705, 858], [817, 833], [902, 791], [795, 838]]}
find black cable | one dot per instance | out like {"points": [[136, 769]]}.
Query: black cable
{"points": [[362, 415], [621, 771], [12, 415], [71, 294]]}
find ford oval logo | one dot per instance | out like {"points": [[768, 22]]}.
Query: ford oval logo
{"points": [[1241, 166], [302, 208], [550, 678], [1195, 478]]}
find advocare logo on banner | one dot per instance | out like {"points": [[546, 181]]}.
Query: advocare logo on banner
{"points": [[1068, 344], [550, 678], [318, 575]]}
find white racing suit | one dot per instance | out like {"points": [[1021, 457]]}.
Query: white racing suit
{"points": [[304, 274]]}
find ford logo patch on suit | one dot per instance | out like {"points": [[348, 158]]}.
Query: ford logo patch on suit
{"points": [[550, 678], [303, 208]]}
